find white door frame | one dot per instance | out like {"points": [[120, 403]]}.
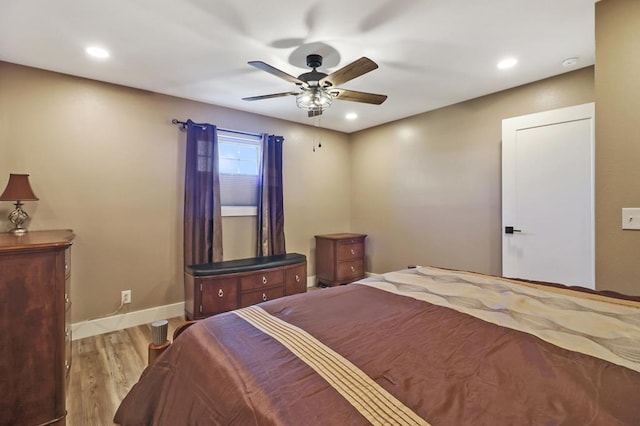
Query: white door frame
{"points": [[510, 127]]}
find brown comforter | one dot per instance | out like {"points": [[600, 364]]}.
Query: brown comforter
{"points": [[437, 358]]}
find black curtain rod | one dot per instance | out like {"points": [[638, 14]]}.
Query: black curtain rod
{"points": [[183, 127]]}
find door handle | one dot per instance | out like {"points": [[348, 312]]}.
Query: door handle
{"points": [[510, 230]]}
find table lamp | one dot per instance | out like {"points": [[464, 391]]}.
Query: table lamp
{"points": [[18, 189]]}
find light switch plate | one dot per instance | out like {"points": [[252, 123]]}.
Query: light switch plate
{"points": [[631, 218]]}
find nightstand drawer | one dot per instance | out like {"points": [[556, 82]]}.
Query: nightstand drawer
{"points": [[352, 268], [261, 280], [259, 296], [348, 250]]}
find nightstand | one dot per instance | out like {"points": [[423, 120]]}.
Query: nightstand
{"points": [[339, 258]]}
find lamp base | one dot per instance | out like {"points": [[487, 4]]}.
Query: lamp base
{"points": [[18, 231], [18, 217]]}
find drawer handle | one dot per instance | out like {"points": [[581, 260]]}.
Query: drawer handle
{"points": [[66, 332], [66, 299], [264, 279], [353, 251], [220, 293], [67, 366], [297, 278], [353, 269], [264, 297]]}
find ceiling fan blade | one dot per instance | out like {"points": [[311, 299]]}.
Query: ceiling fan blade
{"points": [[349, 72], [275, 95], [354, 96], [275, 71]]}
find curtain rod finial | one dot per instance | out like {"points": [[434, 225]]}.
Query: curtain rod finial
{"points": [[183, 125]]}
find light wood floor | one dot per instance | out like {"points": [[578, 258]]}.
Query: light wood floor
{"points": [[103, 370]]}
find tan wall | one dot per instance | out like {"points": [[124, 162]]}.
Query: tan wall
{"points": [[4, 144], [427, 189], [617, 86], [106, 161]]}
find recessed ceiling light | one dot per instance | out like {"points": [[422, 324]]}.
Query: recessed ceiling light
{"points": [[97, 52], [351, 116], [507, 63], [569, 62]]}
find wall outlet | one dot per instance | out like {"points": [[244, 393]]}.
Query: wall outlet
{"points": [[125, 297]]}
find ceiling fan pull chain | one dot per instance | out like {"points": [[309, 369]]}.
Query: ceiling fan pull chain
{"points": [[316, 135]]}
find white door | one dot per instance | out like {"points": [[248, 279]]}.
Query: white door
{"points": [[547, 196]]}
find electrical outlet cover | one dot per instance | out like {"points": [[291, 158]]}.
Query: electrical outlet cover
{"points": [[631, 218]]}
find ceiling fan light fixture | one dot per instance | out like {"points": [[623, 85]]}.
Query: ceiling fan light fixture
{"points": [[314, 99]]}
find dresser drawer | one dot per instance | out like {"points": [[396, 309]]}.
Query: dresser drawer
{"points": [[261, 279], [67, 302], [218, 295], [349, 250], [259, 296], [67, 263], [295, 280], [67, 352], [351, 268]]}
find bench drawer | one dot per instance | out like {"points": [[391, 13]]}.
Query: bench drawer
{"points": [[259, 296]]}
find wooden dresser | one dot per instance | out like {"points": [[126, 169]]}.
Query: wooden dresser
{"points": [[213, 288], [339, 258], [35, 337]]}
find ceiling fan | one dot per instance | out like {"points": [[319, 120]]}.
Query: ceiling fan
{"points": [[316, 90]]}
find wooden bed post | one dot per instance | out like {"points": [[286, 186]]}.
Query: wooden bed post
{"points": [[159, 342], [155, 350]]}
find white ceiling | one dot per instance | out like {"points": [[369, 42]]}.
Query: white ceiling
{"points": [[431, 53]]}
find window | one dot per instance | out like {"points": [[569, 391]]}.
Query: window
{"points": [[239, 157]]}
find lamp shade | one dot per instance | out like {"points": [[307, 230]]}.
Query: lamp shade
{"points": [[18, 189]]}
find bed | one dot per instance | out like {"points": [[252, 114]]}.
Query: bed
{"points": [[417, 346]]}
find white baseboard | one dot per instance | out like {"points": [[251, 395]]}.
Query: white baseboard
{"points": [[84, 329], [311, 281], [98, 326]]}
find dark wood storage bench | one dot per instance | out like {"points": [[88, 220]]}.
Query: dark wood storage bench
{"points": [[217, 287]]}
